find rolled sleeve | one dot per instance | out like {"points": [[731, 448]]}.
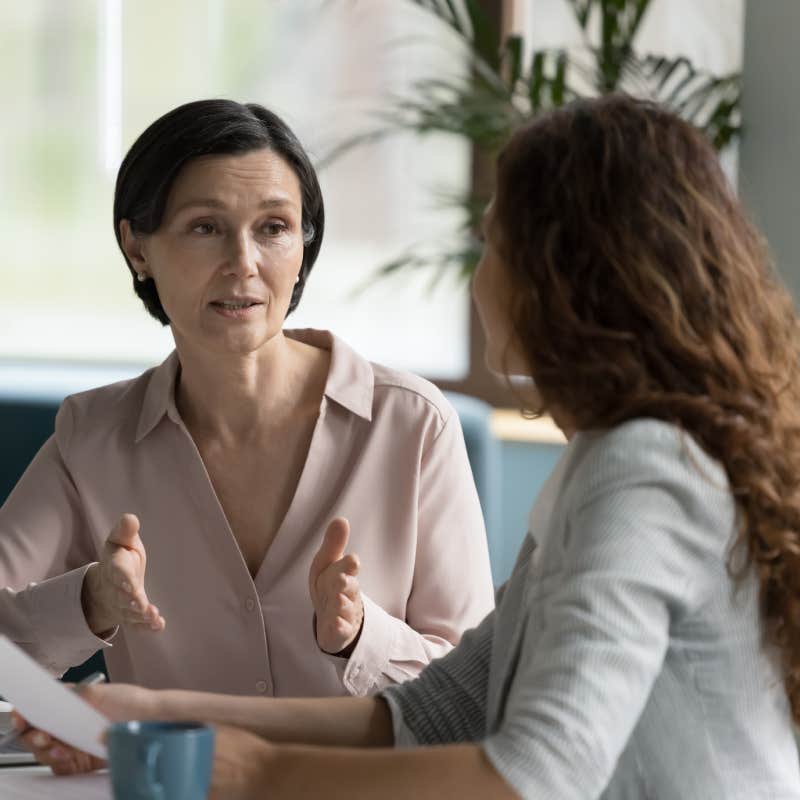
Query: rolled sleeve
{"points": [[62, 636], [369, 668], [447, 702], [45, 549]]}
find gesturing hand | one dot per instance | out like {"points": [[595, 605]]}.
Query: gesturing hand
{"points": [[113, 590], [333, 583]]}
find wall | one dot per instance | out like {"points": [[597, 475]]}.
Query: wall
{"points": [[769, 166], [525, 466]]}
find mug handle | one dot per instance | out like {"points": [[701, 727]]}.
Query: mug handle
{"points": [[152, 754]]}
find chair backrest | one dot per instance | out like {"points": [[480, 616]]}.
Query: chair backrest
{"points": [[484, 454], [24, 428]]}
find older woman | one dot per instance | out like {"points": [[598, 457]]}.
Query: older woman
{"points": [[221, 469], [646, 643]]}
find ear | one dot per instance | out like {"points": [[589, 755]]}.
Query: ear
{"points": [[132, 246]]}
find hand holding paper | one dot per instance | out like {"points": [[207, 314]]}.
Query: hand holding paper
{"points": [[47, 704]]}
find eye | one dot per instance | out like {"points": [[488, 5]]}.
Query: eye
{"points": [[274, 227], [204, 228]]}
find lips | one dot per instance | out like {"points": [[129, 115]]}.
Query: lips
{"points": [[236, 307], [236, 304]]}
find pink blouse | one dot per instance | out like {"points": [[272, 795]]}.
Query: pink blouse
{"points": [[387, 453]]}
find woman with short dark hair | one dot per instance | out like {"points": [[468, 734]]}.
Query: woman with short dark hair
{"points": [[202, 128], [214, 494]]}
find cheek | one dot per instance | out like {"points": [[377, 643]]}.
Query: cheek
{"points": [[281, 266], [479, 288], [485, 293]]}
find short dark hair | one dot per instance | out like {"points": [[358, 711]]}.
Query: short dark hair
{"points": [[201, 128]]}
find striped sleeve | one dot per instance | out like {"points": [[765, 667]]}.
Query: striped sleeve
{"points": [[447, 702]]}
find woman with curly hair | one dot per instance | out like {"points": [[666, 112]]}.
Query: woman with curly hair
{"points": [[647, 644]]}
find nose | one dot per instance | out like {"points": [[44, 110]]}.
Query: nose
{"points": [[242, 256]]}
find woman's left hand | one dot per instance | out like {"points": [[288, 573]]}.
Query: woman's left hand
{"points": [[117, 701], [240, 765], [335, 593], [60, 757]]}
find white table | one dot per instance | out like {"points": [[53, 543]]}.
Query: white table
{"points": [[38, 783]]}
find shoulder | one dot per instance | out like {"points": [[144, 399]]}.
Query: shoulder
{"points": [[404, 394], [95, 413], [642, 450], [647, 472]]}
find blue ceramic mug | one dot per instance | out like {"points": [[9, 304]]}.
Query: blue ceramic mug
{"points": [[160, 760]]}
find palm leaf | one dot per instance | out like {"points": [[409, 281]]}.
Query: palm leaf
{"points": [[469, 22], [503, 89], [708, 101], [512, 60]]}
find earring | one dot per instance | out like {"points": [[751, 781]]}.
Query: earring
{"points": [[297, 279], [141, 277]]}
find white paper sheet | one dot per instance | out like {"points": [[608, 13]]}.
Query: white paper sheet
{"points": [[38, 783], [47, 703]]}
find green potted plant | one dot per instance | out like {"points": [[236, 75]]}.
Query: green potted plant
{"points": [[504, 87]]}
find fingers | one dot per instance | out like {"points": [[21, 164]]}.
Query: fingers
{"points": [[126, 532], [133, 608], [61, 758], [337, 582], [350, 564], [335, 591], [344, 608], [123, 595], [340, 624], [124, 568], [339, 607], [340, 578], [332, 548], [150, 619]]}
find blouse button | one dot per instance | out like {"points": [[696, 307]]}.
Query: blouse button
{"points": [[249, 604], [261, 686]]}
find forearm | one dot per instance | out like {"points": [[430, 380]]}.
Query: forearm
{"points": [[461, 771], [342, 721]]}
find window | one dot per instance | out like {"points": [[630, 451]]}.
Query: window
{"points": [[86, 77]]}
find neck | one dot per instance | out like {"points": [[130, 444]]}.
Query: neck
{"points": [[233, 397]]}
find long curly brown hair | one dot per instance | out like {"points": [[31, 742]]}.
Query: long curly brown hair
{"points": [[640, 288]]}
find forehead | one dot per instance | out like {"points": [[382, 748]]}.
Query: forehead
{"points": [[257, 175]]}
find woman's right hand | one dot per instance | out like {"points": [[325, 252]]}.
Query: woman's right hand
{"points": [[113, 589]]}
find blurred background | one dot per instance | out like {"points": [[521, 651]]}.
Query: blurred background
{"points": [[80, 79]]}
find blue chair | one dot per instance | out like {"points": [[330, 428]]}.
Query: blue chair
{"points": [[484, 454]]}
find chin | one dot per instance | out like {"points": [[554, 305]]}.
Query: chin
{"points": [[243, 344], [511, 371], [494, 365]]}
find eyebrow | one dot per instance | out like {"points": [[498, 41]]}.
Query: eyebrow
{"points": [[212, 202]]}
